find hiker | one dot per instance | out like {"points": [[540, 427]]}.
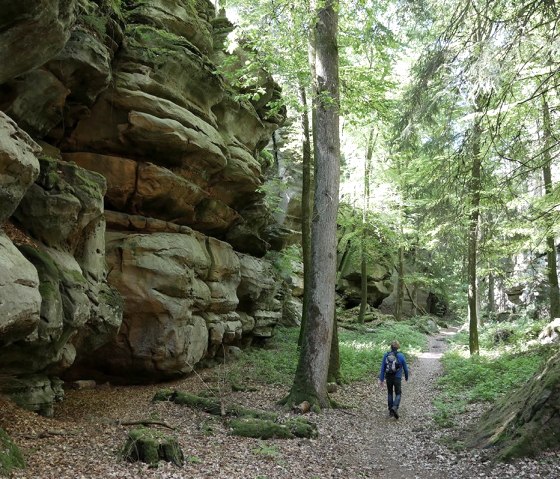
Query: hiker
{"points": [[392, 367]]}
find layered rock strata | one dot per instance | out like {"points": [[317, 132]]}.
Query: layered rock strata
{"points": [[132, 225]]}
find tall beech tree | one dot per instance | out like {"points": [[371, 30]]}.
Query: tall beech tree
{"points": [[551, 257], [310, 382]]}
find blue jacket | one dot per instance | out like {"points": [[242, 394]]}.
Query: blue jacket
{"points": [[401, 359]]}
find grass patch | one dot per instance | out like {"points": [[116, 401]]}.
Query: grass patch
{"points": [[10, 455], [521, 331], [266, 450], [360, 354], [501, 367]]}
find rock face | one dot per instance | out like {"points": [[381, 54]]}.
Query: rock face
{"points": [[18, 165], [524, 423], [22, 23], [132, 229], [58, 276]]}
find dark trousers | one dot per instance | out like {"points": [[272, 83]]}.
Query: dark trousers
{"points": [[393, 385]]}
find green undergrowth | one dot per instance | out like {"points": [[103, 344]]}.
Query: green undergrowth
{"points": [[10, 455], [501, 367], [360, 354]]}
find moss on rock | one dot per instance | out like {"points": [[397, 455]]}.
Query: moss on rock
{"points": [[151, 446], [247, 422], [260, 429], [526, 422]]}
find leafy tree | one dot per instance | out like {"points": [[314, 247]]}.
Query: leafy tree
{"points": [[310, 382]]}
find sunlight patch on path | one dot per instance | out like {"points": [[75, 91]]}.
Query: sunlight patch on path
{"points": [[430, 355], [449, 332]]}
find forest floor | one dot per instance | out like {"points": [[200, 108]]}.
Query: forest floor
{"points": [[83, 440]]}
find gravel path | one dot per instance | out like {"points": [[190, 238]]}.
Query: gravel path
{"points": [[83, 441]]}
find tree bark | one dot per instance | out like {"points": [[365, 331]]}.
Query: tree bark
{"points": [[364, 278], [334, 375], [306, 208], [472, 255], [400, 283], [552, 273], [310, 382], [491, 294]]}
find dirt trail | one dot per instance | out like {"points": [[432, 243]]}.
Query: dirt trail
{"points": [[83, 441]]}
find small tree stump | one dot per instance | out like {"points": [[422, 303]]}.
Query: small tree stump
{"points": [[151, 446]]}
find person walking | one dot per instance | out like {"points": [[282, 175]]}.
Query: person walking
{"points": [[392, 367]]}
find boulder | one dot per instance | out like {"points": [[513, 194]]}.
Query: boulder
{"points": [[35, 100], [119, 173], [259, 295], [20, 302], [179, 17], [35, 392], [62, 204], [162, 280], [78, 311], [526, 422], [36, 29], [83, 65], [18, 165], [551, 332], [134, 118]]}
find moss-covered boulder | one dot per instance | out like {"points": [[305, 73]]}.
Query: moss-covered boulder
{"points": [[526, 422], [151, 446], [10, 455]]}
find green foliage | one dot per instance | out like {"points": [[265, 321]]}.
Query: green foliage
{"points": [[10, 455], [483, 378], [266, 157], [360, 354], [500, 368], [273, 190], [266, 450], [381, 240], [521, 331], [285, 260], [274, 365]]}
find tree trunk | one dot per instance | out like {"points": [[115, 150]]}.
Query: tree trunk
{"points": [[306, 205], [550, 240], [364, 279], [472, 255], [334, 375], [491, 294], [310, 382], [400, 284]]}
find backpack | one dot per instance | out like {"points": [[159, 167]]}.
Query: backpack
{"points": [[392, 363]]}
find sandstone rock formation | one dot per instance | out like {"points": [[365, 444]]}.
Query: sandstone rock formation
{"points": [[132, 231]]}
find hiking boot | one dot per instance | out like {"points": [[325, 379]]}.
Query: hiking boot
{"points": [[395, 412]]}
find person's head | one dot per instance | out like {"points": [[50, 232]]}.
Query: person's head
{"points": [[395, 345]]}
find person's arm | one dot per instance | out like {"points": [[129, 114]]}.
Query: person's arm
{"points": [[382, 372], [405, 367]]}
